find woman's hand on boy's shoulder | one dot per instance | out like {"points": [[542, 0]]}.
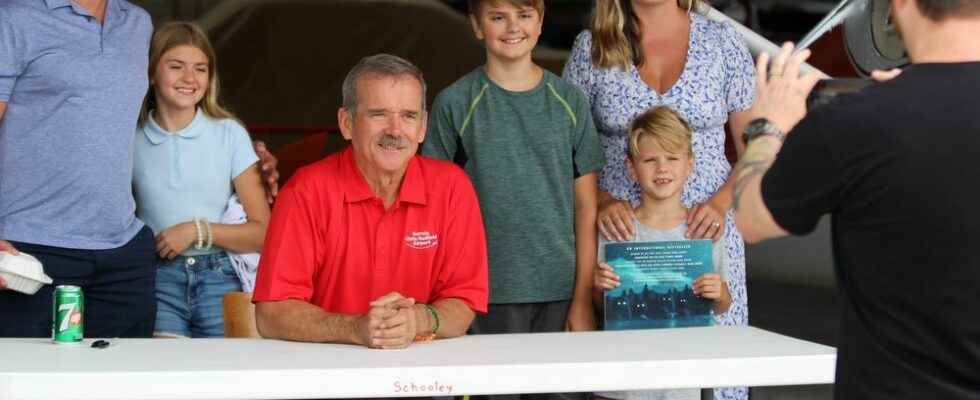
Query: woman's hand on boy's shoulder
{"points": [[705, 221], [615, 220]]}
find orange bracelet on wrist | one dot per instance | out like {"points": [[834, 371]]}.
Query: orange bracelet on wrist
{"points": [[425, 337]]}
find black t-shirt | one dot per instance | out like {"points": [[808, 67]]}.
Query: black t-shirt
{"points": [[898, 168]]}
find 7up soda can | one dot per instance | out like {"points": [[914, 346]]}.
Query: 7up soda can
{"points": [[68, 325]]}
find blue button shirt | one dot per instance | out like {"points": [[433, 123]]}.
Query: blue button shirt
{"points": [[73, 89]]}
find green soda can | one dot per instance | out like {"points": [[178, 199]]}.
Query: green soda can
{"points": [[68, 325]]}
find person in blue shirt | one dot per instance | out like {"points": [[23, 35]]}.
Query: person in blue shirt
{"points": [[72, 78], [191, 156]]}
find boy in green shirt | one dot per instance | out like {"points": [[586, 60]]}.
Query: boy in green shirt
{"points": [[527, 141]]}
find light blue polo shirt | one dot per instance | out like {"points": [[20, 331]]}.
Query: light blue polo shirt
{"points": [[73, 90], [188, 174]]}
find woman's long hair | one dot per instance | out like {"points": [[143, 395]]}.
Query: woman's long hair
{"points": [[616, 32], [175, 34]]}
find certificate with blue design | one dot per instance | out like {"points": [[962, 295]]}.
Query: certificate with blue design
{"points": [[656, 280]]}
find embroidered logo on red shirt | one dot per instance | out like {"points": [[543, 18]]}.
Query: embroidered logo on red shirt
{"points": [[421, 240]]}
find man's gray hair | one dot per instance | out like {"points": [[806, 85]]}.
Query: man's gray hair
{"points": [[379, 64]]}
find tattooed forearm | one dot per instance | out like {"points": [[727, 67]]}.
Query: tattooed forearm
{"points": [[759, 156]]}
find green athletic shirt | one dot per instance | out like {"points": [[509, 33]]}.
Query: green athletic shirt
{"points": [[523, 151]]}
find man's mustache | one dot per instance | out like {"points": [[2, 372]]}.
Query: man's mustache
{"points": [[392, 141]]}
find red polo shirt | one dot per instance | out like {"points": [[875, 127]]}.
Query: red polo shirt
{"points": [[330, 241]]}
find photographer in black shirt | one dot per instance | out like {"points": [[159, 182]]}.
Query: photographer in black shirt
{"points": [[897, 167]]}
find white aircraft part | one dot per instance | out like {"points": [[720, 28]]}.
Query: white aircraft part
{"points": [[756, 43]]}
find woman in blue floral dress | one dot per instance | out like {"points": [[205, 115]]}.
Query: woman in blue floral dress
{"points": [[700, 68]]}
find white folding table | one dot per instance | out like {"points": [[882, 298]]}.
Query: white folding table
{"points": [[490, 364]]}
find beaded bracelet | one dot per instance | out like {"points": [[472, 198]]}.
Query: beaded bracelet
{"points": [[435, 316], [210, 235], [200, 235]]}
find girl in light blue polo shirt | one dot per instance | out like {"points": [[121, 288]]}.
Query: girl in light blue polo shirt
{"points": [[191, 156]]}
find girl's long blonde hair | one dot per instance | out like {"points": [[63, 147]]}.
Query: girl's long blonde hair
{"points": [[180, 33], [616, 32]]}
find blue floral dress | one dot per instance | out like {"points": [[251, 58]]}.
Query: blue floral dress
{"points": [[718, 79]]}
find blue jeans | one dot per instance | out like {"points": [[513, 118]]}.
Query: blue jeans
{"points": [[189, 294], [117, 285]]}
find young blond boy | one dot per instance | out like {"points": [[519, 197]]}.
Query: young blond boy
{"points": [[660, 159]]}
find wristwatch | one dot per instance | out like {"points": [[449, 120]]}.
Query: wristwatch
{"points": [[761, 127]]}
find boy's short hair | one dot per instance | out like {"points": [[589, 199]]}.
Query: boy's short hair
{"points": [[664, 126], [538, 5]]}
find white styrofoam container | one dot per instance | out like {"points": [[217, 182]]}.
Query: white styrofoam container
{"points": [[22, 272]]}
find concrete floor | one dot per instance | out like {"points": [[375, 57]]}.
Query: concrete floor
{"points": [[809, 392], [792, 290], [805, 312]]}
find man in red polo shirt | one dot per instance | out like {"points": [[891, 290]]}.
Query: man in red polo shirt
{"points": [[374, 245]]}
